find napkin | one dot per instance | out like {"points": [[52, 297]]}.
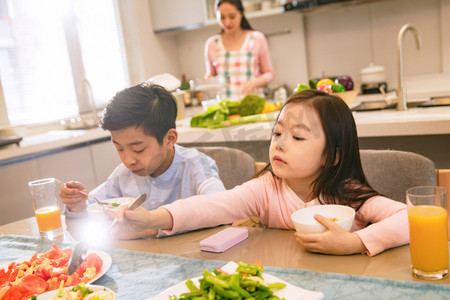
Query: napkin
{"points": [[224, 240]]}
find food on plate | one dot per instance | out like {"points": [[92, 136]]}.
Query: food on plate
{"points": [[81, 292], [246, 283], [45, 272]]}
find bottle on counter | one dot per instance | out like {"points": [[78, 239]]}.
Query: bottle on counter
{"points": [[186, 88]]}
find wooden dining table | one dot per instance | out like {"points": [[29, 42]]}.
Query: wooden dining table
{"points": [[273, 247]]}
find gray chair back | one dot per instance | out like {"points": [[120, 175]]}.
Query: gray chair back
{"points": [[391, 172], [235, 166]]}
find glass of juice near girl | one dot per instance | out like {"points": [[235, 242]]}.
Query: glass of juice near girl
{"points": [[428, 229]]}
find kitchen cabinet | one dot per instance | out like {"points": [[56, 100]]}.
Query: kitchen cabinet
{"points": [[74, 164], [252, 9], [105, 159], [16, 199], [175, 15], [89, 163]]}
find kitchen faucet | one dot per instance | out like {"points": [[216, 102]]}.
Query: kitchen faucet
{"points": [[401, 89]]}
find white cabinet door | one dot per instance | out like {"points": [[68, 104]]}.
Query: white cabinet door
{"points": [[70, 165], [105, 159], [15, 200], [169, 15]]}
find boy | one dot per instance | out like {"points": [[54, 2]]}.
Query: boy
{"points": [[141, 120]]}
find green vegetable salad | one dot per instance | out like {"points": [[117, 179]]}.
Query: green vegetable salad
{"points": [[246, 283]]}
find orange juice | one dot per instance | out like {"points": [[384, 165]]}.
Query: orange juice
{"points": [[48, 218], [428, 238]]}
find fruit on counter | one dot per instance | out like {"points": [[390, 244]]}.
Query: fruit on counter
{"points": [[251, 105], [313, 83], [325, 88], [301, 87], [326, 81], [346, 81], [337, 88], [269, 107]]}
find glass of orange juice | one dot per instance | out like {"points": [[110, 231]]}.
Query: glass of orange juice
{"points": [[428, 231], [44, 193]]}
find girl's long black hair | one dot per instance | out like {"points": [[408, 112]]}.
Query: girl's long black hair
{"points": [[342, 179], [238, 4]]}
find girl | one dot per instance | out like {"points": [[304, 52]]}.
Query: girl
{"points": [[238, 53], [314, 160]]}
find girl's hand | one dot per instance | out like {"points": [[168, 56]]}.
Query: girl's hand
{"points": [[335, 240], [71, 196], [138, 223]]}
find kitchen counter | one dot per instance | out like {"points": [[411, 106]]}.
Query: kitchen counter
{"points": [[384, 123]]}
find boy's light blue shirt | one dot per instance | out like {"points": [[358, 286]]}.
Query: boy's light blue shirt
{"points": [[191, 173]]}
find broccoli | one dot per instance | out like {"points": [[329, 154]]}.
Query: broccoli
{"points": [[251, 105]]}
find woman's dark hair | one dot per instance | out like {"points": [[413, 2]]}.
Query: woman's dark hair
{"points": [[342, 179], [238, 4], [148, 105]]}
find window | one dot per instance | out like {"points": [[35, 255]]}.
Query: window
{"points": [[51, 49]]}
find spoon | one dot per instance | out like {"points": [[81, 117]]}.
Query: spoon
{"points": [[79, 253], [102, 203]]}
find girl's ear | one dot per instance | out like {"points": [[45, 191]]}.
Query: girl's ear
{"points": [[171, 137], [338, 157]]}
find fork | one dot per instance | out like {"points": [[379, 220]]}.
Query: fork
{"points": [[102, 203]]}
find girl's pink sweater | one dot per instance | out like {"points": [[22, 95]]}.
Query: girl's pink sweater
{"points": [[381, 223]]}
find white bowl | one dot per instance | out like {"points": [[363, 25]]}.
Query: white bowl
{"points": [[304, 221], [95, 211]]}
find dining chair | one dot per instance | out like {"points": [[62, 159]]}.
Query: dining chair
{"points": [[392, 172], [235, 166]]}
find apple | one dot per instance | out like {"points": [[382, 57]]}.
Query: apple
{"points": [[325, 88]]}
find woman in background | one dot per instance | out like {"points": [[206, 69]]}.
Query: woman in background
{"points": [[238, 53]]}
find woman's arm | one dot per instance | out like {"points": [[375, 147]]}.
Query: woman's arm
{"points": [[210, 57], [263, 70]]}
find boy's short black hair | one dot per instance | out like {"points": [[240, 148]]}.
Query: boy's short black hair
{"points": [[148, 105]]}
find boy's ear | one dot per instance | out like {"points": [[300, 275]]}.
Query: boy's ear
{"points": [[171, 137]]}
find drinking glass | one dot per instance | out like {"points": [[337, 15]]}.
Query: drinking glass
{"points": [[428, 230], [44, 194]]}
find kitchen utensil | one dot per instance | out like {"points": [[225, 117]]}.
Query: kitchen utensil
{"points": [[79, 253], [304, 221], [59, 182], [133, 205], [96, 200], [372, 79]]}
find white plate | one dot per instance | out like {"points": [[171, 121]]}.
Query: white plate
{"points": [[290, 292], [107, 261], [51, 294]]}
